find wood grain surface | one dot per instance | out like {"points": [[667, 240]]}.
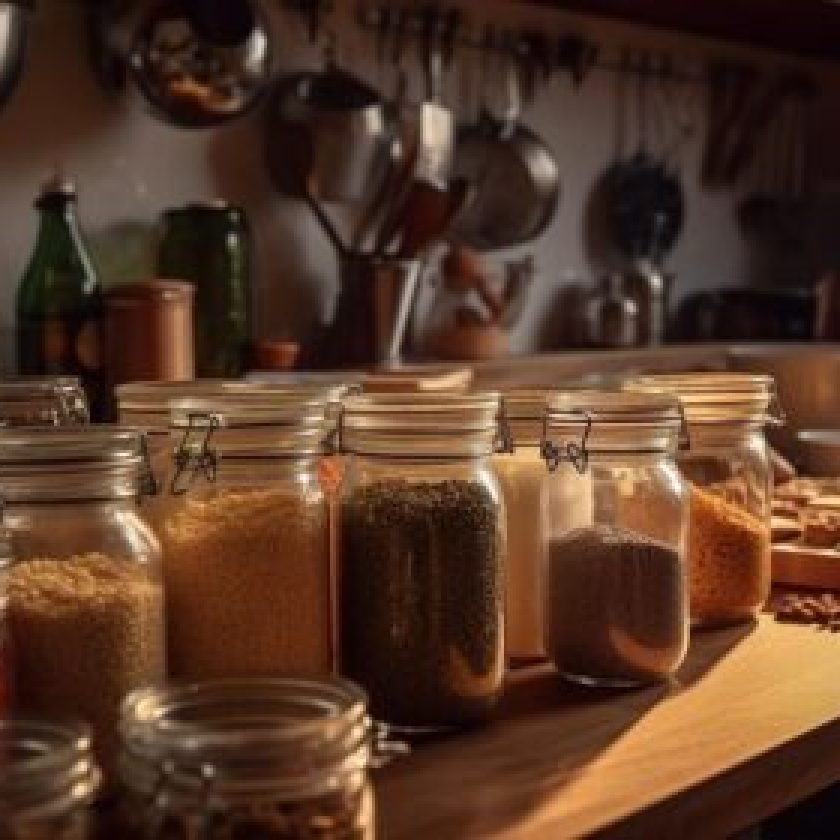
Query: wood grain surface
{"points": [[751, 726]]}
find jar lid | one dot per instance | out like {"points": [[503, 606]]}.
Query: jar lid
{"points": [[421, 424], [78, 446], [42, 401], [718, 397], [611, 420], [282, 737]]}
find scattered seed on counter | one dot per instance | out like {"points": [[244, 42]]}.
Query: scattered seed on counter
{"points": [[822, 610]]}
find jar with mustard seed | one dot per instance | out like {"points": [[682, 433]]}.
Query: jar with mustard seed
{"points": [[727, 464]]}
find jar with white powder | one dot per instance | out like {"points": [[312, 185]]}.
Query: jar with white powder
{"points": [[526, 490]]}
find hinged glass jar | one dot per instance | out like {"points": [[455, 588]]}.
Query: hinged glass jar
{"points": [[522, 477], [247, 538], [422, 553], [279, 759], [728, 467], [616, 594], [85, 596], [37, 401], [48, 781]]}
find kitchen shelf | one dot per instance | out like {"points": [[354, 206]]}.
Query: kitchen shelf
{"points": [[809, 27], [751, 727]]}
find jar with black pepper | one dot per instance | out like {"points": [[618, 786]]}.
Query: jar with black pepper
{"points": [[727, 464], [274, 758], [48, 781], [616, 586], [422, 554]]}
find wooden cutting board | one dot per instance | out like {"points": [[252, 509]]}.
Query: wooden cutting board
{"points": [[799, 565]]}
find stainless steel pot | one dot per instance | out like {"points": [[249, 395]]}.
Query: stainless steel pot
{"points": [[329, 136], [14, 36]]}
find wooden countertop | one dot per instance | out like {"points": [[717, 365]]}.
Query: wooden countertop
{"points": [[751, 726]]}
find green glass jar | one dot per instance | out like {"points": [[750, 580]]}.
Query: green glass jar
{"points": [[209, 245]]}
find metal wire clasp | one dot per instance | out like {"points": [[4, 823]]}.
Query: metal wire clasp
{"points": [[194, 454], [575, 453], [776, 415], [504, 436]]}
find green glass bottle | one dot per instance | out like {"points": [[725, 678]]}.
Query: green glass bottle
{"points": [[209, 245], [59, 300]]}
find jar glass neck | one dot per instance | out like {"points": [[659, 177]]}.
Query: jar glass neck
{"points": [[48, 772], [284, 738], [72, 483], [712, 435]]}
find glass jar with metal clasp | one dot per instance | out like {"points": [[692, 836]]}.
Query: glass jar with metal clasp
{"points": [[727, 465], [276, 758], [616, 599], [247, 536], [422, 556], [85, 598]]}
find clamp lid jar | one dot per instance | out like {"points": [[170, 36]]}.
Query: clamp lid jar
{"points": [[728, 466], [422, 556], [616, 600], [85, 600], [247, 537]]}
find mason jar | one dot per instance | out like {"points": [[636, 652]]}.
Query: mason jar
{"points": [[422, 553], [42, 401], [727, 465], [247, 538], [269, 758], [522, 477], [616, 595], [48, 781], [85, 599]]}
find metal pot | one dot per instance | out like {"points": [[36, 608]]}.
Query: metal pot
{"points": [[201, 62], [329, 136], [514, 176], [14, 35]]}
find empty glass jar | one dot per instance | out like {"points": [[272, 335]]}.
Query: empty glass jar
{"points": [[616, 595], [422, 552], [728, 468], [48, 780], [276, 759]]}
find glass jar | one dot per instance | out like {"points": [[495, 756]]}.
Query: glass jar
{"points": [[48, 780], [422, 550], [42, 401], [522, 477], [85, 596], [728, 468], [247, 538], [278, 759], [616, 593], [5, 639]]}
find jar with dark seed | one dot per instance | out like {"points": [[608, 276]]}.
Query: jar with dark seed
{"points": [[422, 558], [256, 758]]}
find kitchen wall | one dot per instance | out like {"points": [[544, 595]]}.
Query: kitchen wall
{"points": [[129, 166]]}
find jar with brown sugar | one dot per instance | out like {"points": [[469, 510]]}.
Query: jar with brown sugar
{"points": [[728, 466]]}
